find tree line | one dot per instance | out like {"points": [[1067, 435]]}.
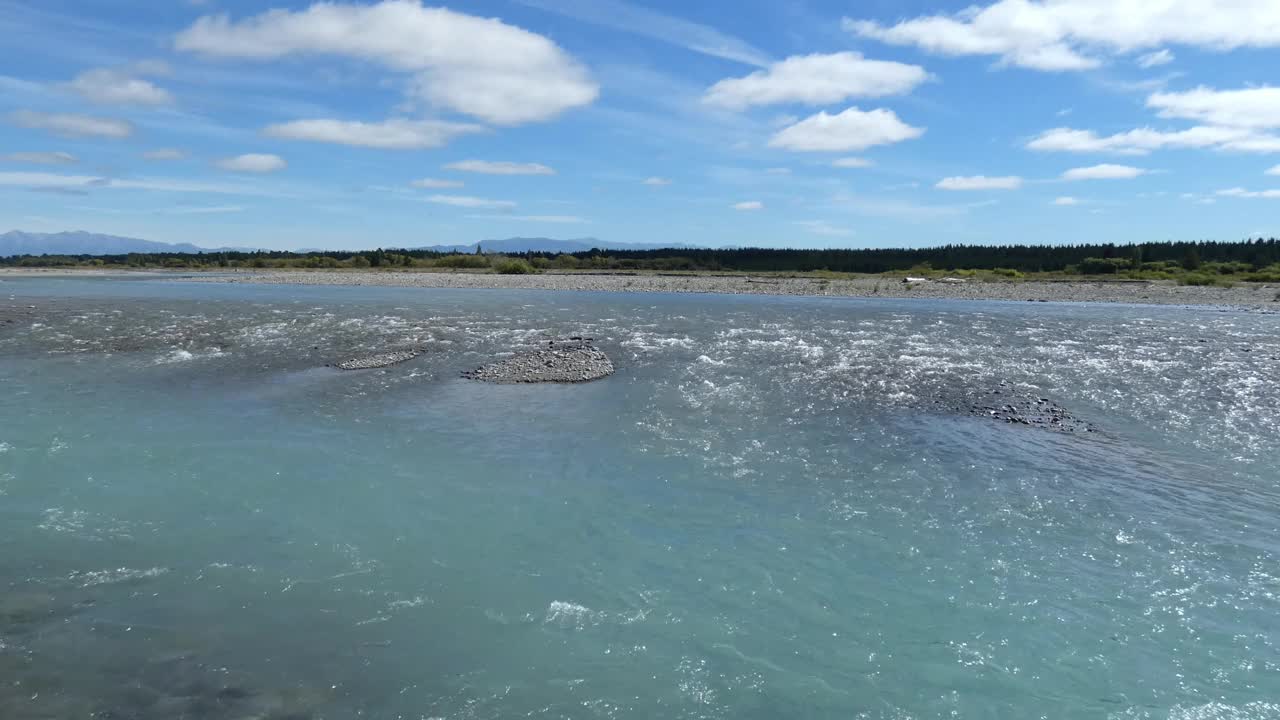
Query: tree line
{"points": [[1258, 256]]}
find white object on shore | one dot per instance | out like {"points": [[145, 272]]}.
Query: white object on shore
{"points": [[909, 279]]}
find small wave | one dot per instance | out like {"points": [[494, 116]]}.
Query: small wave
{"points": [[113, 576], [571, 615]]}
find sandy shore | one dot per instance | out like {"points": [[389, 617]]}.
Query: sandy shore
{"points": [[1258, 295], [1244, 294]]}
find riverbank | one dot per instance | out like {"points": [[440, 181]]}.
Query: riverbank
{"points": [[1261, 295], [1256, 295]]}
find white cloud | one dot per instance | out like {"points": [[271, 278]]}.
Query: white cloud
{"points": [[648, 23], [395, 134], [852, 129], [71, 125], [46, 180], [1071, 34], [1155, 59], [817, 80], [469, 202], [480, 67], [980, 182], [748, 205], [1141, 141], [117, 87], [488, 167], [1247, 108], [822, 227], [1242, 193], [253, 163], [1274, 171], [657, 181], [41, 158], [851, 162], [435, 183], [1066, 200], [1103, 172], [164, 154]]}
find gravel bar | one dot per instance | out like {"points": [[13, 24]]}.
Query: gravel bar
{"points": [[1252, 295], [570, 360]]}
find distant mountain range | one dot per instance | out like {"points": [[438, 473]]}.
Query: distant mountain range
{"points": [[87, 243]]}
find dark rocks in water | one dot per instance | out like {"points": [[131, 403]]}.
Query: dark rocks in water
{"points": [[379, 360], [566, 360], [1008, 405]]}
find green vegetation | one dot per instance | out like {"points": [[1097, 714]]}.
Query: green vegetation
{"points": [[515, 267], [1199, 263]]}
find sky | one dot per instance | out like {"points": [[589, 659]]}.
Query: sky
{"points": [[785, 123]]}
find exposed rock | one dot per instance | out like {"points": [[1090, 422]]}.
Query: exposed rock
{"points": [[1011, 405], [380, 360], [569, 360]]}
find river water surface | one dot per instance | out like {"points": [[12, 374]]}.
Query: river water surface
{"points": [[777, 507]]}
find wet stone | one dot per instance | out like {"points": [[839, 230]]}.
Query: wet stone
{"points": [[380, 360], [1008, 406], [565, 360]]}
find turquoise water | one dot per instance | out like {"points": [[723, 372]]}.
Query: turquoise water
{"points": [[770, 511]]}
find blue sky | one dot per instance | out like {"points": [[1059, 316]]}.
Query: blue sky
{"points": [[800, 123]]}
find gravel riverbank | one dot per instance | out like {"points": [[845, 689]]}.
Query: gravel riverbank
{"points": [[1257, 295], [1244, 294]]}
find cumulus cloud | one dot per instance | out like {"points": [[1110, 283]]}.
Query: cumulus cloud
{"points": [[435, 183], [1066, 200], [822, 227], [1058, 35], [164, 154], [72, 125], [1242, 193], [41, 158], [657, 181], [1103, 172], [851, 162], [253, 163], [117, 87], [852, 129], [748, 205], [1247, 108], [488, 167], [1155, 59], [817, 80], [485, 68], [1274, 171], [468, 201], [395, 134], [980, 182]]}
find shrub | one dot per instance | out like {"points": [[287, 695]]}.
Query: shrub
{"points": [[515, 267], [1202, 279], [1008, 272], [458, 262], [1102, 266]]}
